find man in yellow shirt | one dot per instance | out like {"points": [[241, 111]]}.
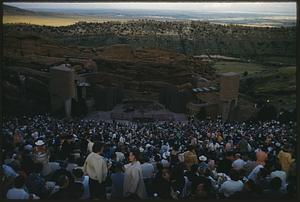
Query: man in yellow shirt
{"points": [[190, 157], [285, 159]]}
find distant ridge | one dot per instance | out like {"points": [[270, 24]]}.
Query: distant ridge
{"points": [[15, 11], [70, 16], [11, 10]]}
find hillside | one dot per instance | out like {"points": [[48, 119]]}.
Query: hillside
{"points": [[11, 10], [264, 45], [144, 54], [13, 15]]}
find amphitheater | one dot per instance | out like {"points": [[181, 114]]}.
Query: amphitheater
{"points": [[107, 77]]}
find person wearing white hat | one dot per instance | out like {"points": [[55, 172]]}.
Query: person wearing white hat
{"points": [[39, 143], [40, 152]]}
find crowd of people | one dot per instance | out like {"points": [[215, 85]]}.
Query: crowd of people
{"points": [[50, 158]]}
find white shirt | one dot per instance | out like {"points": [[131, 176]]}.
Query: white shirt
{"points": [[133, 182], [16, 193], [230, 187], [282, 175], [147, 170], [95, 167], [238, 164], [254, 172]]}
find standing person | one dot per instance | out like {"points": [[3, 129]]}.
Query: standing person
{"points": [[233, 185], [96, 168], [285, 159], [261, 156], [278, 172], [243, 145], [35, 183], [64, 191], [67, 147], [225, 164], [117, 179], [40, 153], [250, 163], [62, 171], [238, 163], [178, 182], [162, 184], [80, 178], [18, 191], [148, 174], [134, 186], [190, 157], [254, 173], [174, 155], [273, 191]]}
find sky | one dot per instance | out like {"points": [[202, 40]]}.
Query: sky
{"points": [[276, 7]]}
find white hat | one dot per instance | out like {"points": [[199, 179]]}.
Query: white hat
{"points": [[141, 149], [39, 142], [148, 145], [202, 158]]}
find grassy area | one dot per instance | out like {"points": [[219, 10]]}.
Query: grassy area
{"points": [[277, 85], [283, 101], [280, 60], [288, 71], [239, 67], [281, 79]]}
